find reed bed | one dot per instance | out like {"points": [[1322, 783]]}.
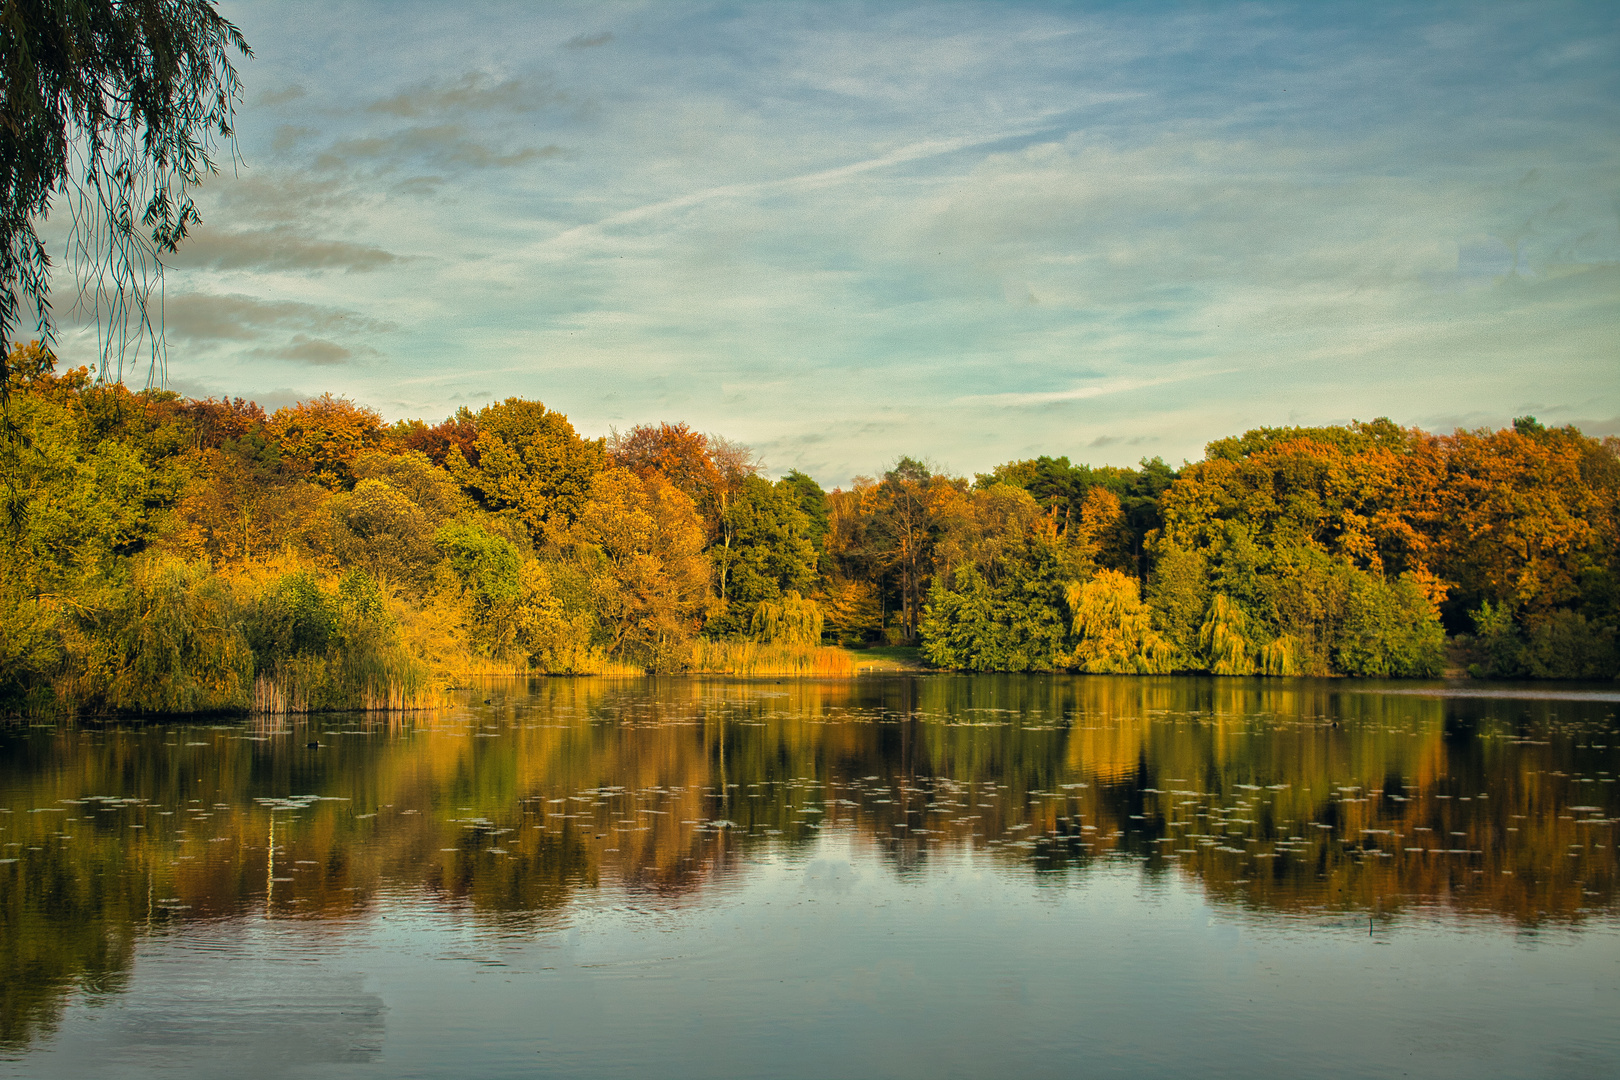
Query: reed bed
{"points": [[393, 684], [754, 658]]}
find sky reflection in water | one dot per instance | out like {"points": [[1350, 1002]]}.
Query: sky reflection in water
{"points": [[884, 876]]}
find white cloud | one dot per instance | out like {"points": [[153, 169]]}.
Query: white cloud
{"points": [[965, 232]]}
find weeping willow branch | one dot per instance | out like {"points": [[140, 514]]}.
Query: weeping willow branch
{"points": [[121, 104]]}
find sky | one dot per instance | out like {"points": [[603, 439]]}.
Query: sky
{"points": [[968, 233]]}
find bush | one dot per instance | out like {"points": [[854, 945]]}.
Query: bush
{"points": [[31, 653], [294, 617], [1497, 645], [1390, 629], [316, 650], [1564, 645], [171, 642]]}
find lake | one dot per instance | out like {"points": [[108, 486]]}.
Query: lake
{"points": [[885, 876]]}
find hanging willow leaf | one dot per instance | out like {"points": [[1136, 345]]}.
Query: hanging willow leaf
{"points": [[120, 104]]}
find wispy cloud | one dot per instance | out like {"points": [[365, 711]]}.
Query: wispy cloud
{"points": [[913, 152], [202, 317], [588, 41], [282, 248], [474, 91], [1105, 388], [443, 144]]}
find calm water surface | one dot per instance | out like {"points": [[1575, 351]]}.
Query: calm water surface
{"points": [[888, 876]]}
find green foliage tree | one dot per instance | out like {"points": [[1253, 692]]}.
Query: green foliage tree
{"points": [[531, 465], [487, 565], [76, 501], [812, 501], [386, 525], [1178, 596], [770, 553], [959, 626], [378, 528], [1013, 624], [1390, 629]]}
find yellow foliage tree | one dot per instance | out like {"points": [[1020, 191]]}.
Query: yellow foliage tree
{"points": [[230, 515], [1224, 638], [792, 620], [1099, 529], [1115, 628], [649, 535]]}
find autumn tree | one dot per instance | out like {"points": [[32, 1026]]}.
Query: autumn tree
{"points": [[1526, 515], [321, 438], [648, 536], [387, 523], [674, 451], [531, 465], [849, 595], [910, 503], [1100, 537], [458, 432]]}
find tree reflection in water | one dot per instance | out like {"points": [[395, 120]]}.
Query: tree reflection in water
{"points": [[1288, 799]]}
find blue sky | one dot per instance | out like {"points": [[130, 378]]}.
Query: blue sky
{"points": [[966, 232]]}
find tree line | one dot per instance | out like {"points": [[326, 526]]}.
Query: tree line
{"points": [[174, 554]]}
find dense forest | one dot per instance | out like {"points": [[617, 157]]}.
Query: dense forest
{"points": [[176, 555]]}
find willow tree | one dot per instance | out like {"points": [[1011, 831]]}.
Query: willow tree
{"points": [[118, 105]]}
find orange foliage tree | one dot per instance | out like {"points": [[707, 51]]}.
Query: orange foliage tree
{"points": [[674, 451], [321, 438], [1527, 515]]}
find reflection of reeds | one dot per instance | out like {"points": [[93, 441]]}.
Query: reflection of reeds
{"points": [[753, 658]]}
